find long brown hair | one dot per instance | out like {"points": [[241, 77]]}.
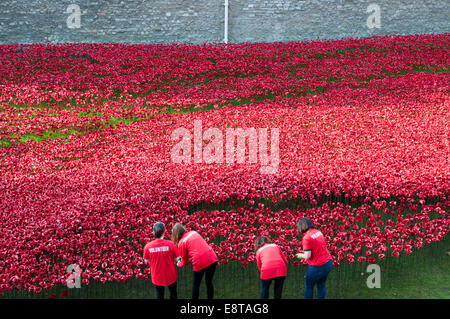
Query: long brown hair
{"points": [[178, 231], [260, 241]]}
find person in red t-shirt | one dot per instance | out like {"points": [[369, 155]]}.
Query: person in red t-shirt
{"points": [[272, 263], [161, 254], [192, 248], [317, 256]]}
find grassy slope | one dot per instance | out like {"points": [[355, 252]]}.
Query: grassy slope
{"points": [[423, 274]]}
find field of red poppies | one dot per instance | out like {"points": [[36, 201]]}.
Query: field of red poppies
{"points": [[86, 167]]}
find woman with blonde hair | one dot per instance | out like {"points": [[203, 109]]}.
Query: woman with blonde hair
{"points": [[192, 248], [272, 263]]}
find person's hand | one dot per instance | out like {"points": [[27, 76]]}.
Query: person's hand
{"points": [[299, 256]]}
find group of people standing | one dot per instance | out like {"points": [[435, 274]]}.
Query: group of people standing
{"points": [[188, 247]]}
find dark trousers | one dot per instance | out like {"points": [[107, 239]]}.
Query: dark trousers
{"points": [[198, 275], [317, 275], [278, 288], [172, 291]]}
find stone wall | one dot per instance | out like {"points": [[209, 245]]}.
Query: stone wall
{"points": [[200, 21]]}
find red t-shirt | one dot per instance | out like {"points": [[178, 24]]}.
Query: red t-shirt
{"points": [[315, 242], [271, 261], [160, 254], [192, 248]]}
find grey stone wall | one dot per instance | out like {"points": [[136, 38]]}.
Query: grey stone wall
{"points": [[200, 21]]}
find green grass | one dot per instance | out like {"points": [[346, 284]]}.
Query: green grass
{"points": [[421, 275], [256, 98]]}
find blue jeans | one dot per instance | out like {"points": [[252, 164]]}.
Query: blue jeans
{"points": [[317, 275]]}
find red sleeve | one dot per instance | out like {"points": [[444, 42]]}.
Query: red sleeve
{"points": [[258, 260], [146, 252], [146, 257], [306, 243], [183, 253]]}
